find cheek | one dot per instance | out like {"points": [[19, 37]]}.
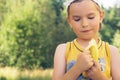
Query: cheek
{"points": [[95, 24], [96, 28], [76, 28]]}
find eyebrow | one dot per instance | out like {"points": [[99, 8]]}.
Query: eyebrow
{"points": [[75, 16], [91, 14]]}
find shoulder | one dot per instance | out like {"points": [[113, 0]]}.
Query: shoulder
{"points": [[61, 47], [64, 46], [60, 50], [113, 50], [115, 55], [112, 47]]}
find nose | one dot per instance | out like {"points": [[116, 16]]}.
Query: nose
{"points": [[84, 23]]}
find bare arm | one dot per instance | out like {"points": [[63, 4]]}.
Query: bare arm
{"points": [[59, 62], [115, 63], [60, 65]]}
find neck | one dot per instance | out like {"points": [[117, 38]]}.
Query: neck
{"points": [[85, 42]]}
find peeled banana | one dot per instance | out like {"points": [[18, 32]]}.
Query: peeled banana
{"points": [[93, 51]]}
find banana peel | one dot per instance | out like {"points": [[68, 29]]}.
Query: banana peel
{"points": [[93, 51]]}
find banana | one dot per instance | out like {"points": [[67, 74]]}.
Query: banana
{"points": [[93, 51]]}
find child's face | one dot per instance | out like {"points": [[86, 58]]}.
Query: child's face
{"points": [[85, 19]]}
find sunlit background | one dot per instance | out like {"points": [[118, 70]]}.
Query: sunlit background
{"points": [[30, 30], [110, 3]]}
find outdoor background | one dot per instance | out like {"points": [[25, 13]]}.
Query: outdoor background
{"points": [[30, 30]]}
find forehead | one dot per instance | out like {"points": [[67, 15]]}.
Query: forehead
{"points": [[83, 7]]}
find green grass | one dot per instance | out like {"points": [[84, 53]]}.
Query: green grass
{"points": [[27, 78], [34, 78], [8, 73]]}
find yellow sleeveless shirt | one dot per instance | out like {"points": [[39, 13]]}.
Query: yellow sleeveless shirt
{"points": [[73, 49]]}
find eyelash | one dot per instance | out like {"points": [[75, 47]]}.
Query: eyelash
{"points": [[79, 19], [90, 17]]}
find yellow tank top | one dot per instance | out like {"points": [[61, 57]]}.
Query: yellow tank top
{"points": [[73, 49]]}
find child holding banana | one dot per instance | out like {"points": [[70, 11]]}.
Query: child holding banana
{"points": [[87, 57]]}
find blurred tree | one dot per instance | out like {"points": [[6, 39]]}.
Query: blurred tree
{"points": [[31, 31], [20, 34], [3, 9], [111, 23], [58, 31]]}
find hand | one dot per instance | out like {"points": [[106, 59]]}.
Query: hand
{"points": [[95, 72], [84, 61]]}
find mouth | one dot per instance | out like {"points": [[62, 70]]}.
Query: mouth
{"points": [[86, 31]]}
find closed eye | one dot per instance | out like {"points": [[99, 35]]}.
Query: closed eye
{"points": [[76, 18], [91, 17]]}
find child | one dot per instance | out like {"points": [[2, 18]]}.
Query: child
{"points": [[71, 59]]}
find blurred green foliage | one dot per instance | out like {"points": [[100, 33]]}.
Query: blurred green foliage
{"points": [[30, 30], [111, 23]]}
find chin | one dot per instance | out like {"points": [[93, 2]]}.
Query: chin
{"points": [[86, 38]]}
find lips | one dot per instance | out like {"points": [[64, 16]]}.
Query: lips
{"points": [[85, 31]]}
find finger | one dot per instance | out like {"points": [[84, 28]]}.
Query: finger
{"points": [[91, 60], [91, 64], [96, 64], [89, 70], [92, 68], [86, 51]]}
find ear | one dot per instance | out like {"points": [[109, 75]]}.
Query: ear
{"points": [[68, 20], [101, 16]]}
